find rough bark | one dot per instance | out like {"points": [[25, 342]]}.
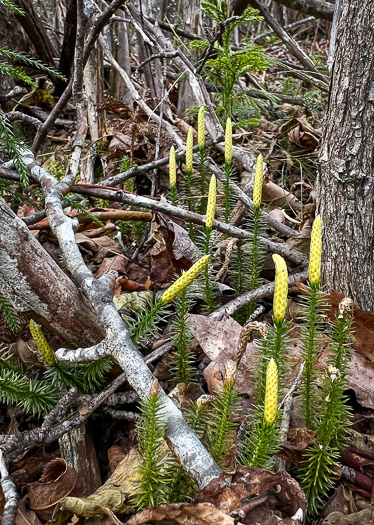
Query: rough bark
{"points": [[38, 288], [317, 8], [78, 450], [345, 184]]}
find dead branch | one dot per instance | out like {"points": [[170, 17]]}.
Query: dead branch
{"points": [[136, 96], [289, 42], [264, 291], [10, 494], [192, 454], [15, 444], [175, 211], [100, 23]]}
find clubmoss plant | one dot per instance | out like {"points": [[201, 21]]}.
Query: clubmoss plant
{"points": [[261, 440], [85, 377], [189, 179], [228, 168], [9, 314], [319, 470], [152, 479], [22, 386], [173, 177], [209, 285], [146, 323], [222, 425], [181, 367], [249, 258], [312, 325], [275, 344]]}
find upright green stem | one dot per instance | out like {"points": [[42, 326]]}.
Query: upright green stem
{"points": [[228, 173], [203, 184], [190, 206], [310, 356]]}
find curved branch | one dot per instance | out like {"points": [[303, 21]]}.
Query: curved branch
{"points": [[317, 8]]}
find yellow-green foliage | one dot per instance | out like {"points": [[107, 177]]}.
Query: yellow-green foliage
{"points": [[184, 280], [201, 127], [259, 175], [172, 168], [211, 207], [271, 392], [189, 150], [42, 343], [315, 252], [281, 288], [228, 141]]}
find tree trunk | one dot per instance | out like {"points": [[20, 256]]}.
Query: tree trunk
{"points": [[38, 288], [345, 186]]}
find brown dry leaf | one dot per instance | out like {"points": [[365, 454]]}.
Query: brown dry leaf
{"points": [[304, 135], [364, 517], [101, 247], [58, 480], [219, 341], [184, 514], [254, 496], [115, 456], [278, 197], [120, 144], [114, 494], [361, 379], [174, 251], [363, 325], [299, 439], [117, 264], [302, 241], [26, 516]]}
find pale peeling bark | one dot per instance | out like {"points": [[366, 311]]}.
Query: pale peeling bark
{"points": [[38, 288], [192, 454], [345, 184]]}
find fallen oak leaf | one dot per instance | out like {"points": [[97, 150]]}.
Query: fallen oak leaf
{"points": [[58, 480], [115, 494], [183, 514]]}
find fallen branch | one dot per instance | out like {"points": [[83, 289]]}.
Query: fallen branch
{"points": [[288, 41], [13, 445], [100, 23], [10, 494], [175, 211], [136, 96], [192, 454], [264, 291]]}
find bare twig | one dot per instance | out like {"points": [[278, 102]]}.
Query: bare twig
{"points": [[121, 414], [192, 454], [136, 96], [289, 42], [18, 115], [10, 494], [16, 444], [264, 291], [100, 23], [80, 101], [97, 190], [174, 211], [294, 25], [286, 403]]}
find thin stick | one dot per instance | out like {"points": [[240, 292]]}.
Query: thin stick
{"points": [[264, 291], [10, 494]]}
